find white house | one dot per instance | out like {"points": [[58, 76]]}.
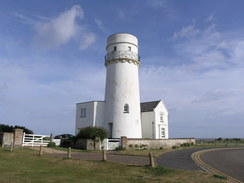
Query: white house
{"points": [[154, 118], [122, 114]]}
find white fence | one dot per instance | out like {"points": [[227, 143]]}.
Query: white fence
{"points": [[35, 140], [110, 144]]}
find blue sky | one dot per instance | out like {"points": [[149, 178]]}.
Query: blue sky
{"points": [[52, 57]]}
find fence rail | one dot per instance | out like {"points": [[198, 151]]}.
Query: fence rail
{"points": [[110, 144], [35, 140]]}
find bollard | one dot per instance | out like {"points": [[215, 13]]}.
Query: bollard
{"points": [[69, 153], [41, 150], [104, 156], [151, 160], [11, 147]]}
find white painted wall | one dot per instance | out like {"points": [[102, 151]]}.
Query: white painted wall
{"points": [[98, 113], [147, 120], [161, 124], [152, 124], [94, 115], [122, 87]]}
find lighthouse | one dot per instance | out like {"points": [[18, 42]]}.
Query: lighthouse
{"points": [[122, 115]]}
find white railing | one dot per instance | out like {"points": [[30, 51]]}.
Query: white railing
{"points": [[35, 140], [110, 144]]}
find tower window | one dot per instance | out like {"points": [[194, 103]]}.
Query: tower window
{"points": [[129, 48], [83, 112], [115, 48], [126, 108]]}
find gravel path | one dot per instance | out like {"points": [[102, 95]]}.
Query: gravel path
{"points": [[125, 159]]}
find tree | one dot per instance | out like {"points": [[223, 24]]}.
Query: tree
{"points": [[8, 128], [92, 133]]}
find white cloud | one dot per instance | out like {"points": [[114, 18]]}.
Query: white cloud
{"points": [[211, 18], [122, 14], [206, 90], [88, 39], [47, 107], [157, 3], [100, 25], [60, 30], [24, 18], [186, 32]]}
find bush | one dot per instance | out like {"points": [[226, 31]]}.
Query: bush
{"points": [[51, 144], [175, 147], [185, 145], [92, 133]]}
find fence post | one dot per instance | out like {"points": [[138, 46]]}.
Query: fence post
{"points": [[151, 160], [23, 139], [41, 150], [11, 147], [104, 156], [69, 153], [33, 141]]}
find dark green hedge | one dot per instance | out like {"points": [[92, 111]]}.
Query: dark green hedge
{"points": [[92, 133]]}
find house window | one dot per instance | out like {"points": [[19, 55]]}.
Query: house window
{"points": [[129, 48], [83, 112], [115, 48], [161, 117], [162, 132], [126, 108]]}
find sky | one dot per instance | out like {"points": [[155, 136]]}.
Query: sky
{"points": [[192, 54]]}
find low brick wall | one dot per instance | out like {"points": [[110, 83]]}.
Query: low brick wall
{"points": [[156, 143]]}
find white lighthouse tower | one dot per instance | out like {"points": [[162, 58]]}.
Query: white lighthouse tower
{"points": [[122, 115]]}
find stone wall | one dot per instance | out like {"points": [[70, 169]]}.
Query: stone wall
{"points": [[18, 138], [154, 143], [7, 139], [12, 139], [88, 144]]}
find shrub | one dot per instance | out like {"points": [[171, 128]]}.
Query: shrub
{"points": [[131, 146], [185, 145], [120, 148], [51, 144], [92, 133], [175, 147]]}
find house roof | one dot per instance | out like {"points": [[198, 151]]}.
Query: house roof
{"points": [[149, 106]]}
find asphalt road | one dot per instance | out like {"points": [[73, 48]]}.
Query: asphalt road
{"points": [[228, 161], [179, 159]]}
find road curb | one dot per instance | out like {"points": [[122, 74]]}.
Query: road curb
{"points": [[196, 157]]}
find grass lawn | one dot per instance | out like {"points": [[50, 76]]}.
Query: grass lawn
{"points": [[25, 165]]}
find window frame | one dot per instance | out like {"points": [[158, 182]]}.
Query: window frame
{"points": [[126, 108], [82, 112]]}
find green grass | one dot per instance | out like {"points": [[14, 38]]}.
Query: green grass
{"points": [[25, 165]]}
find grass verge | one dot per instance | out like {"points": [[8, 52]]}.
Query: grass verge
{"points": [[25, 165]]}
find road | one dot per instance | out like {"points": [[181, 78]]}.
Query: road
{"points": [[228, 161], [180, 159]]}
